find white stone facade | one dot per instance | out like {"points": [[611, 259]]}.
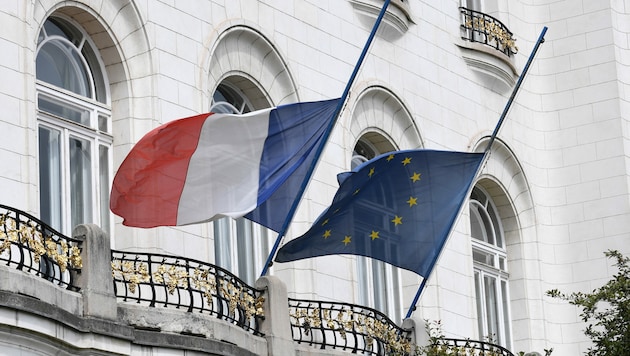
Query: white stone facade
{"points": [[558, 173]]}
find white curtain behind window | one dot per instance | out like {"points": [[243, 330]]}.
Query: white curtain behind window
{"points": [[50, 176], [80, 181]]}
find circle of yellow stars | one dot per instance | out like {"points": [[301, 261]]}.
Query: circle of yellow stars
{"points": [[397, 220]]}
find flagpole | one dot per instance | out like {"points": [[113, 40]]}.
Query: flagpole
{"points": [[320, 148], [540, 40]]}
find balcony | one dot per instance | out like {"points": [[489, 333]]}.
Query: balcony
{"points": [[398, 15], [488, 46], [73, 295]]}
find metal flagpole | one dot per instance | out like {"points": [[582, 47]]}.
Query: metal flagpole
{"points": [[329, 129], [540, 40]]}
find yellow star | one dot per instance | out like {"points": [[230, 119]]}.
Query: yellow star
{"points": [[326, 234], [371, 172], [406, 161], [415, 177], [412, 201], [397, 220], [374, 235], [325, 222], [346, 240], [390, 157]]}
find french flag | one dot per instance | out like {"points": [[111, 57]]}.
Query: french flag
{"points": [[209, 166]]}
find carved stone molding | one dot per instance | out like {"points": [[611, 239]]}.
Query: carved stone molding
{"points": [[398, 13]]}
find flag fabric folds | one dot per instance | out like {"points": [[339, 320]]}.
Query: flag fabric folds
{"points": [[398, 208], [209, 166]]}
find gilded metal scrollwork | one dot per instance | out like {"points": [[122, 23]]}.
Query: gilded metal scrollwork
{"points": [[347, 321], [29, 235], [132, 272], [237, 297], [175, 276], [494, 31]]}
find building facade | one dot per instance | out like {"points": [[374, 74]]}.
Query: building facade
{"points": [[83, 80]]}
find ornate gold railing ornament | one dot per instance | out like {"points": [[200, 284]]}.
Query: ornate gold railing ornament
{"points": [[482, 28], [366, 327], [131, 272], [176, 276], [29, 235], [25, 241], [201, 280], [188, 283], [494, 31], [237, 297], [173, 276]]}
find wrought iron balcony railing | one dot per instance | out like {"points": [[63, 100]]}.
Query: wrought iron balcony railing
{"points": [[27, 244], [481, 28], [468, 348], [347, 327], [169, 281]]}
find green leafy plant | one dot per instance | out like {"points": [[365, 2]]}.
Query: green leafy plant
{"points": [[606, 310]]}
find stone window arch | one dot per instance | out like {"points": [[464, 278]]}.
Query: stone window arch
{"points": [[247, 59]]}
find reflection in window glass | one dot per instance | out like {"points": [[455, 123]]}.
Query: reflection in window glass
{"points": [[64, 110], [80, 181], [222, 246], [103, 123], [492, 319], [244, 240], [61, 66], [103, 172], [50, 176], [228, 97]]}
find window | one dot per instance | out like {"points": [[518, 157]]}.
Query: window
{"points": [[241, 246], [379, 282], [74, 123], [490, 269]]}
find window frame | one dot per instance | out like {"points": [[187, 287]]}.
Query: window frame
{"points": [[490, 263], [90, 130]]}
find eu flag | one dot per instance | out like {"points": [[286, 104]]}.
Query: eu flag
{"points": [[398, 208]]}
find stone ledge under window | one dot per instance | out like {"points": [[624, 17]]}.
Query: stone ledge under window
{"points": [[489, 62], [398, 13]]}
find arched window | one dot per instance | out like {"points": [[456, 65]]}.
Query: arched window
{"points": [[490, 269], [379, 282], [74, 127], [240, 246]]}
